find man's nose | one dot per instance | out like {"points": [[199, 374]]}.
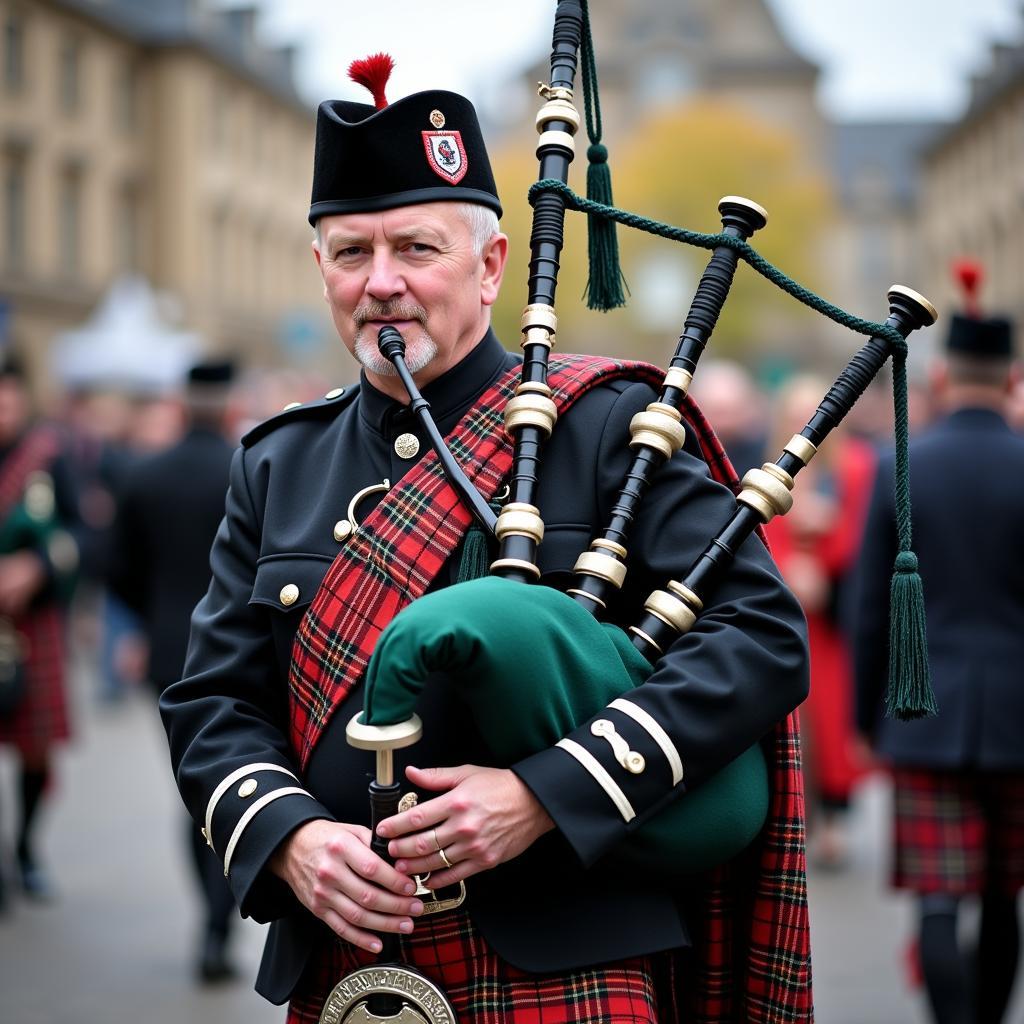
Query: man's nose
{"points": [[385, 280]]}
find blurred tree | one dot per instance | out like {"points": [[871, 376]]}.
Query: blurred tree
{"points": [[674, 167]]}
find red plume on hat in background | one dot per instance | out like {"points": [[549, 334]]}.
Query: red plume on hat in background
{"points": [[968, 274], [373, 73]]}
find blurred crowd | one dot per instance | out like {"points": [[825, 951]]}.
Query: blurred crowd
{"points": [[109, 504]]}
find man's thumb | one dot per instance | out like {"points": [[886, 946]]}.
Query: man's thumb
{"points": [[435, 779]]}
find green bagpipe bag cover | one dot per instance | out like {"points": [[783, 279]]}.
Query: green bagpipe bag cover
{"points": [[532, 665]]}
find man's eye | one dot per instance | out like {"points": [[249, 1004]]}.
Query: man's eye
{"points": [[349, 250], [420, 247]]}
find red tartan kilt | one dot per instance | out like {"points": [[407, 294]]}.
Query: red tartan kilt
{"points": [[41, 716], [958, 832], [483, 989]]}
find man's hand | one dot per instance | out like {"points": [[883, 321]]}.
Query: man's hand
{"points": [[334, 873], [22, 576], [484, 817]]}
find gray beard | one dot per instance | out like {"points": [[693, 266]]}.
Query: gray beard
{"points": [[419, 351]]}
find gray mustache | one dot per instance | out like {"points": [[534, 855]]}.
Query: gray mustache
{"points": [[388, 311]]}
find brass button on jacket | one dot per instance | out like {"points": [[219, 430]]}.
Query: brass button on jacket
{"points": [[289, 594], [407, 446]]}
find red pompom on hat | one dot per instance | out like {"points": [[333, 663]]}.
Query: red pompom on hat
{"points": [[971, 333], [373, 73], [968, 274]]}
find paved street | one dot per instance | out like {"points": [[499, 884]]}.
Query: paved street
{"points": [[116, 947]]}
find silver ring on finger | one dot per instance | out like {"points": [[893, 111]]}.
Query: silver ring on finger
{"points": [[444, 857]]}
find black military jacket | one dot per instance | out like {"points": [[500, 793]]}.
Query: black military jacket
{"points": [[970, 550], [717, 691], [168, 513]]}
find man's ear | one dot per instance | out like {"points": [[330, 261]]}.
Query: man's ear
{"points": [[494, 257], [318, 257]]}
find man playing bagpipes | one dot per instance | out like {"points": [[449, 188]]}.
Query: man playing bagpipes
{"points": [[406, 236]]}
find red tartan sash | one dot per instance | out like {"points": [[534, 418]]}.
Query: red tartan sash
{"points": [[752, 955]]}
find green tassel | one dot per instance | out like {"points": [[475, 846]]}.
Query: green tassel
{"points": [[606, 286], [910, 692], [476, 560]]}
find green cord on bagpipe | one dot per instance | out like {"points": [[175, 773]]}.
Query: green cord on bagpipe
{"points": [[909, 694]]}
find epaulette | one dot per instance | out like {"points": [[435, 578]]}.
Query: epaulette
{"points": [[333, 402]]}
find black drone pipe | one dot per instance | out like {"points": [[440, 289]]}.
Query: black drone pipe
{"points": [[657, 433], [767, 491]]}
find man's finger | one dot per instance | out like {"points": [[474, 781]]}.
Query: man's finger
{"points": [[437, 780], [452, 876], [421, 818], [432, 863], [369, 920], [367, 867], [341, 927], [369, 896]]}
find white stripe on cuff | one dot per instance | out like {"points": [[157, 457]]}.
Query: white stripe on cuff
{"points": [[646, 721], [604, 780], [226, 783], [243, 821]]}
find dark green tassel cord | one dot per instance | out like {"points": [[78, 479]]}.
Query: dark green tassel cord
{"points": [[476, 551], [606, 286], [476, 560], [910, 692]]}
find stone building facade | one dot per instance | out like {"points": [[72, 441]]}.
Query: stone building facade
{"points": [[973, 189], [157, 138]]}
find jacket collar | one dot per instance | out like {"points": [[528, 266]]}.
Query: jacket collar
{"points": [[450, 395]]}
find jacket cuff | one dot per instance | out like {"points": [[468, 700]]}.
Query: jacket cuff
{"points": [[251, 812], [606, 777]]}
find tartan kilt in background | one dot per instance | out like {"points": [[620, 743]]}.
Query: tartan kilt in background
{"points": [[957, 832], [484, 989], [751, 958], [41, 716]]}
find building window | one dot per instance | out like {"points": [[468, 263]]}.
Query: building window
{"points": [[128, 228], [218, 116], [14, 52], [69, 223], [126, 100], [70, 73], [15, 198]]}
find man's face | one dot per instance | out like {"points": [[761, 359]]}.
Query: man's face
{"points": [[413, 267]]}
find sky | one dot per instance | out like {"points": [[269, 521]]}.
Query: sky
{"points": [[880, 58]]}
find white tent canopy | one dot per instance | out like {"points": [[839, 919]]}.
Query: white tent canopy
{"points": [[126, 345]]}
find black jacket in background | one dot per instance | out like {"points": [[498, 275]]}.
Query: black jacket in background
{"points": [[967, 490], [170, 507]]}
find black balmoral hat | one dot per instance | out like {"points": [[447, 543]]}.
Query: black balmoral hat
{"points": [[220, 372], [970, 333], [991, 336], [420, 149]]}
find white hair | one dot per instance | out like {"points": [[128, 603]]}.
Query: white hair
{"points": [[482, 222]]}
